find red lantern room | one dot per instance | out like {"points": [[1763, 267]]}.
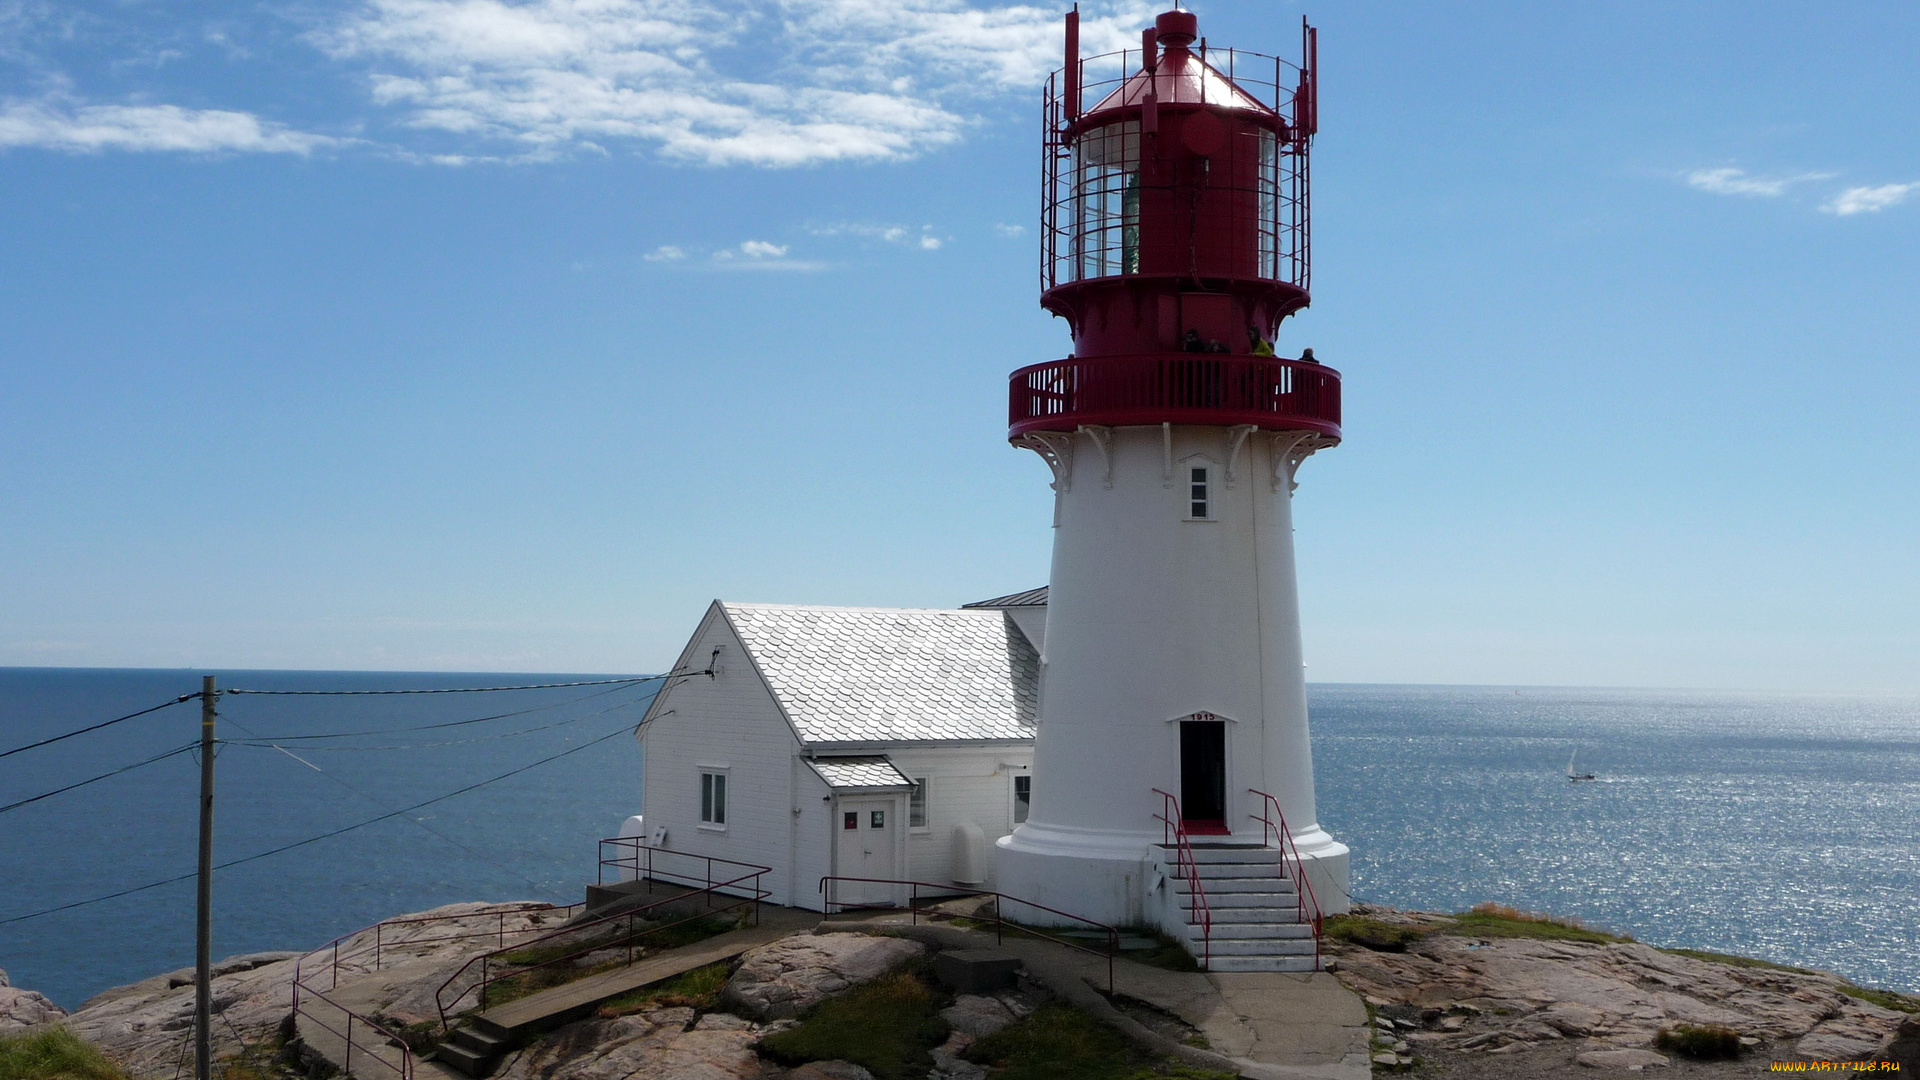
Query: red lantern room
{"points": [[1175, 238]]}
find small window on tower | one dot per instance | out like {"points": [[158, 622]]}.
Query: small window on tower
{"points": [[1199, 504]]}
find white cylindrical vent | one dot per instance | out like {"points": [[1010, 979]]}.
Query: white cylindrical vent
{"points": [[969, 854]]}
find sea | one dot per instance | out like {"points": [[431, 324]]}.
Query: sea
{"points": [[1783, 827]]}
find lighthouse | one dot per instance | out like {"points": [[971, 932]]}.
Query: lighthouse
{"points": [[1172, 771]]}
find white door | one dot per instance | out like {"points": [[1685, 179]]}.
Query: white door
{"points": [[865, 834]]}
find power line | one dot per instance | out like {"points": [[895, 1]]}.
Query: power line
{"points": [[97, 727], [274, 741], [124, 768], [422, 824], [323, 836], [449, 723], [444, 690]]}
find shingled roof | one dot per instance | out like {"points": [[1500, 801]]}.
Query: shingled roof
{"points": [[875, 675], [1029, 598]]}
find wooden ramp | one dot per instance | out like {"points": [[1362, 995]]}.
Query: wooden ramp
{"points": [[489, 1035]]}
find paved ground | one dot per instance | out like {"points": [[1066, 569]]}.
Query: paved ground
{"points": [[1269, 1026]]}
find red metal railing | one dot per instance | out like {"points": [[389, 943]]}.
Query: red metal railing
{"points": [[1276, 822], [1178, 388], [1173, 833], [367, 1053], [743, 896], [379, 929], [999, 924], [302, 990]]}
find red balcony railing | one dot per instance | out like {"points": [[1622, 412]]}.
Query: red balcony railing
{"points": [[1175, 388]]}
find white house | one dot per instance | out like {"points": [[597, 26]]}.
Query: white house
{"points": [[891, 743]]}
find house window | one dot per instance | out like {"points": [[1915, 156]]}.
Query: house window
{"points": [[1022, 797], [1199, 504], [879, 820], [850, 819], [917, 804], [713, 799]]}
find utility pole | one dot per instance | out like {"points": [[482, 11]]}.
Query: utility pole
{"points": [[203, 945]]}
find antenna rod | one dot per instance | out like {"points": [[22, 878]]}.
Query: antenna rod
{"points": [[1071, 98]]}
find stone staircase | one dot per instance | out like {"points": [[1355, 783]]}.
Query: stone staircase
{"points": [[1255, 908]]}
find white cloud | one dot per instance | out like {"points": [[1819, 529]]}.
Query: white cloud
{"points": [[1731, 181], [924, 239], [758, 82], [62, 125], [1009, 231], [665, 253], [1869, 200], [760, 255]]}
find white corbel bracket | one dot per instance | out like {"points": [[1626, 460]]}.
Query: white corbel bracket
{"points": [[1236, 438], [1056, 449], [1102, 441], [1289, 449]]}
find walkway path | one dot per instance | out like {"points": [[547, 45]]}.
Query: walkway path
{"points": [[1265, 1025]]}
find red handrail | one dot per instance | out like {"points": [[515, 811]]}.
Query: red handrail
{"points": [[999, 923], [378, 930], [1174, 387], [1174, 832], [1290, 852], [405, 1068], [754, 894]]}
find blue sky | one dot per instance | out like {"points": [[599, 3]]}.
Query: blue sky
{"points": [[468, 335]]}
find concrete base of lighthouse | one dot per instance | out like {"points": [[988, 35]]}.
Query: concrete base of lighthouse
{"points": [[1130, 879]]}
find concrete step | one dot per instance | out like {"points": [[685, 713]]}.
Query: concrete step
{"points": [[1217, 901], [1260, 931], [1255, 915], [1227, 871], [480, 1042], [1262, 963], [468, 1062], [1269, 887], [1260, 946], [1226, 853]]}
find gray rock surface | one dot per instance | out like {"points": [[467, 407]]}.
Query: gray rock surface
{"points": [[147, 1026], [1523, 991], [789, 976], [1903, 1046], [21, 1008], [663, 1044], [977, 1016], [830, 1070], [1631, 1060]]}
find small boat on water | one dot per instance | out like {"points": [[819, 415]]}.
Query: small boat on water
{"points": [[1576, 776]]}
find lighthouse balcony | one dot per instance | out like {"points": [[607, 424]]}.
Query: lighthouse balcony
{"points": [[1175, 388]]}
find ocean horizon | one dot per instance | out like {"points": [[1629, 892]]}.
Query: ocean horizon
{"points": [[1781, 826]]}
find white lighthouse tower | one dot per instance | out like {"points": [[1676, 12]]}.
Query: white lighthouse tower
{"points": [[1172, 773]]}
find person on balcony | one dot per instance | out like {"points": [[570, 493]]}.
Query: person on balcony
{"points": [[1256, 344], [1306, 357], [1192, 342]]}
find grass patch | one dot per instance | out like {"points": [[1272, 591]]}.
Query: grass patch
{"points": [[1370, 933], [1736, 961], [1499, 920], [548, 966], [1059, 1042], [697, 989], [1886, 999], [54, 1053], [886, 1025], [1708, 1043]]}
